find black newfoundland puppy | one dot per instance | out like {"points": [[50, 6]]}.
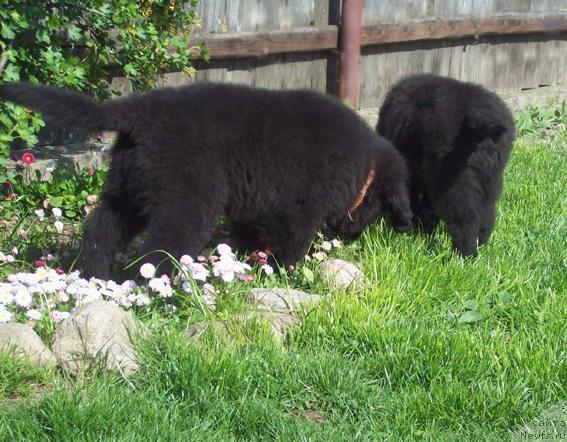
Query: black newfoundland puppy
{"points": [[456, 138], [277, 165]]}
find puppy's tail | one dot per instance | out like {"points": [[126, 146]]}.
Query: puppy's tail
{"points": [[66, 108]]}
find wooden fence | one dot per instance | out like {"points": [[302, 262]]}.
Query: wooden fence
{"points": [[507, 45]]}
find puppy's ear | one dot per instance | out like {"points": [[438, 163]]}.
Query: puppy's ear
{"points": [[398, 204]]}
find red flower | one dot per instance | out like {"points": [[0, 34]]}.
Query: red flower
{"points": [[6, 184], [28, 158], [39, 263], [89, 172], [59, 271]]}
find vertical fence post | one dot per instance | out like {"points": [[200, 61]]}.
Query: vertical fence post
{"points": [[349, 46]]}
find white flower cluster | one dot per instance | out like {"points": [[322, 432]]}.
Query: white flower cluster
{"points": [[227, 267], [53, 293], [57, 214], [48, 292], [321, 249]]}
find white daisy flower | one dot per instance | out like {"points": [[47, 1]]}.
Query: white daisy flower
{"points": [[6, 298], [268, 269], [186, 260], [148, 270], [224, 249], [23, 298], [319, 256], [40, 214], [5, 316], [57, 213], [58, 226], [156, 284], [33, 314]]}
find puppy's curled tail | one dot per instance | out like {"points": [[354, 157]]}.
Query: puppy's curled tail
{"points": [[65, 108]]}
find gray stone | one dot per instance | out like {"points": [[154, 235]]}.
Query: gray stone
{"points": [[26, 343], [280, 324], [341, 274], [277, 299], [98, 331]]}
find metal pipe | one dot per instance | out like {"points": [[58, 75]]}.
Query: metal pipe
{"points": [[349, 46]]}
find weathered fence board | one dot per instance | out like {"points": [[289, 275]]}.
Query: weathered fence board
{"points": [[221, 16], [503, 64]]}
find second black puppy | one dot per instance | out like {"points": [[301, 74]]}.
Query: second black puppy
{"points": [[456, 138], [277, 164]]}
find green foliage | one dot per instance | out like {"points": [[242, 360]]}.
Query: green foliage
{"points": [[67, 190], [542, 121], [72, 42]]}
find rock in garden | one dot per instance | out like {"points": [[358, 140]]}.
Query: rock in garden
{"points": [[26, 342], [98, 331], [341, 274], [280, 324], [277, 299]]}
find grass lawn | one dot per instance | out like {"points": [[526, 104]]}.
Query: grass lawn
{"points": [[435, 348]]}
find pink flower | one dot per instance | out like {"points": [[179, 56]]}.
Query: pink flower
{"points": [[39, 263], [46, 202], [89, 208], [89, 172], [6, 184], [28, 158], [59, 271], [246, 278], [57, 316]]}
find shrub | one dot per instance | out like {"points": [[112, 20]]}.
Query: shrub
{"points": [[73, 42]]}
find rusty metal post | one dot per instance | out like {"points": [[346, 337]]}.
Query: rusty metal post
{"points": [[349, 46]]}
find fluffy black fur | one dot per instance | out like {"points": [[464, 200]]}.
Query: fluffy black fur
{"points": [[278, 165], [456, 138]]}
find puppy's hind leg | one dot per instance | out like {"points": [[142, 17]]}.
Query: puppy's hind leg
{"points": [[460, 209], [180, 226], [106, 231]]}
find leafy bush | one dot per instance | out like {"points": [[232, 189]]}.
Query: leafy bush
{"points": [[542, 121], [72, 42]]}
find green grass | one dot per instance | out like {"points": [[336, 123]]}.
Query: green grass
{"points": [[435, 348]]}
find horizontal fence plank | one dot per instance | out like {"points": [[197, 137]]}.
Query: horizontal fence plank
{"points": [[242, 45], [438, 29], [259, 44]]}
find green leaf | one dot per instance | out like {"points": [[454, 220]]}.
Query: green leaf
{"points": [[505, 297], [470, 317], [11, 73], [74, 33], [308, 274], [70, 213], [56, 201], [7, 32], [471, 304]]}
